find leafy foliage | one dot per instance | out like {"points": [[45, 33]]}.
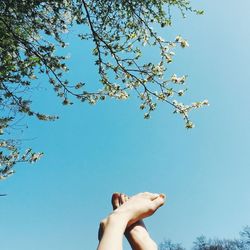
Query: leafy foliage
{"points": [[202, 243], [169, 245], [31, 30]]}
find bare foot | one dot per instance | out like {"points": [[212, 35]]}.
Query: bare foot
{"points": [[134, 209], [140, 206], [137, 234], [117, 200]]}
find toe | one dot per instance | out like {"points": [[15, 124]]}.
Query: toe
{"points": [[122, 198], [159, 201], [151, 196], [126, 198], [115, 200]]}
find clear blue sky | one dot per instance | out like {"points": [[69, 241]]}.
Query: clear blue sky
{"points": [[93, 151]]}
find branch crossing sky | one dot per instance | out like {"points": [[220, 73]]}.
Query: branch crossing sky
{"points": [[93, 151]]}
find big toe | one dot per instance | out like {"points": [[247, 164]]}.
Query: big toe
{"points": [[159, 201], [115, 200]]}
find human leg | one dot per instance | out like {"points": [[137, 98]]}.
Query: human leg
{"points": [[136, 208], [137, 234]]}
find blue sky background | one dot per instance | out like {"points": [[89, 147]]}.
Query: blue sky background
{"points": [[93, 151]]}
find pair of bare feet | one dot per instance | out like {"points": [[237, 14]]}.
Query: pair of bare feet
{"points": [[126, 218]]}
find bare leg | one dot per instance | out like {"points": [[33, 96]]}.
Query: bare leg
{"points": [[136, 208], [137, 234]]}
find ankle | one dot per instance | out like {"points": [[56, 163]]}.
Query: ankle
{"points": [[114, 219]]}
